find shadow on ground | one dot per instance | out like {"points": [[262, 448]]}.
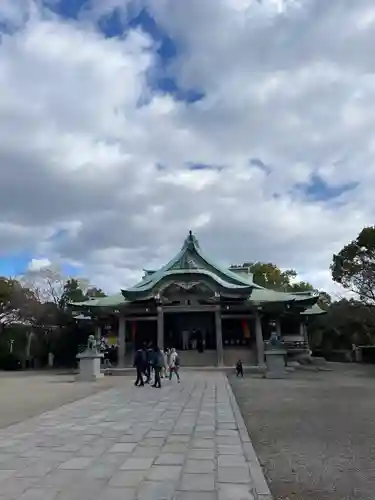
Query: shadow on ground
{"points": [[314, 432]]}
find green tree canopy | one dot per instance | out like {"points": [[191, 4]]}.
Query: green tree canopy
{"points": [[7, 306], [17, 303], [93, 291], [354, 266], [270, 276], [346, 322], [325, 300], [72, 292]]}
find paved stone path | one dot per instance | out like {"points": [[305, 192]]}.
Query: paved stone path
{"points": [[184, 442]]}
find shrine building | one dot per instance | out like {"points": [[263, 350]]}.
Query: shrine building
{"points": [[210, 314]]}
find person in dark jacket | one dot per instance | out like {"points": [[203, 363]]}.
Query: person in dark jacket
{"points": [[148, 368], [157, 364], [239, 368], [140, 364]]}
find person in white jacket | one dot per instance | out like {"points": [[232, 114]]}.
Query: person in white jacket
{"points": [[174, 364], [165, 365]]}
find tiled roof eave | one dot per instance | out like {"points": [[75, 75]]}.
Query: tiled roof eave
{"points": [[147, 288]]}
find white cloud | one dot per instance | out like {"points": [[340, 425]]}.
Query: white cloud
{"points": [[291, 86], [38, 264]]}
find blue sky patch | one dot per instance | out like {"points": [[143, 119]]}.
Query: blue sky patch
{"points": [[169, 85], [319, 190], [167, 48], [203, 166], [16, 265], [69, 9], [117, 23], [159, 77]]}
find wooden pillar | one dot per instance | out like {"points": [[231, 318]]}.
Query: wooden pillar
{"points": [[219, 337], [303, 331], [98, 334], [259, 339], [160, 320], [121, 341], [278, 327]]}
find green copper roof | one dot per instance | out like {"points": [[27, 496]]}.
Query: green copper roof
{"points": [[313, 311], [190, 261], [267, 295], [189, 265], [111, 301]]}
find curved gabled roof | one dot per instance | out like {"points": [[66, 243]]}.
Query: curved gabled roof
{"points": [[191, 263], [197, 274], [190, 260]]}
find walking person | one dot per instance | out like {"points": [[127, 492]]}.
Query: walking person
{"points": [[174, 364], [139, 364], [239, 369], [163, 371], [149, 356], [157, 362]]}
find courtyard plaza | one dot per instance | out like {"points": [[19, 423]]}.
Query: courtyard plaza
{"points": [[184, 441]]}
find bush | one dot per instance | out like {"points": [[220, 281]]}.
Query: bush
{"points": [[368, 354], [336, 355], [9, 361]]}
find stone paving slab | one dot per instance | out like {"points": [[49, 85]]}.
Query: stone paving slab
{"points": [[182, 442]]}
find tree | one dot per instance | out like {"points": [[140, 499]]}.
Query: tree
{"points": [[49, 285], [270, 276], [300, 286], [346, 322], [72, 292], [354, 266], [94, 292], [20, 314], [325, 300], [7, 305], [17, 303]]}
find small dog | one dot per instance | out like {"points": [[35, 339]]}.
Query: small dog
{"points": [[239, 368]]}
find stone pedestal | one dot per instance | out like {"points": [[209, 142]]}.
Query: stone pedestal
{"points": [[89, 366], [275, 362]]}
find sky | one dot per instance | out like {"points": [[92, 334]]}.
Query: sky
{"points": [[126, 123]]}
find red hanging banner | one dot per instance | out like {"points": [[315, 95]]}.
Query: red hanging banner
{"points": [[245, 328]]}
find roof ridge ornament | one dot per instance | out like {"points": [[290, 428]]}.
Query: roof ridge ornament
{"points": [[191, 241]]}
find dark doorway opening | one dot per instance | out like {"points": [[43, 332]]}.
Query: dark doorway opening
{"points": [[190, 331], [145, 333]]}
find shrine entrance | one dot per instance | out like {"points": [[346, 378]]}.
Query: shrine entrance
{"points": [[190, 331], [145, 334]]}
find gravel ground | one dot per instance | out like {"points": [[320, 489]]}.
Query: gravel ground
{"points": [[27, 394], [314, 432]]}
